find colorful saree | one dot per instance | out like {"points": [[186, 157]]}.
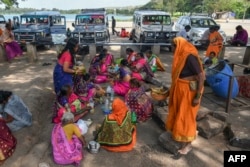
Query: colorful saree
{"points": [[75, 104], [61, 78], [12, 48], [7, 141], [216, 43], [16, 108], [140, 103], [122, 87], [65, 152], [117, 133], [94, 66], [143, 68], [109, 59], [102, 74], [181, 121], [85, 91]]}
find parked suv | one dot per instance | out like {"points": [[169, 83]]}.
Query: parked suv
{"points": [[199, 24], [41, 27], [151, 26], [91, 26]]}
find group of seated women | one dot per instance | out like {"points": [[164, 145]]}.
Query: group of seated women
{"points": [[75, 88]]}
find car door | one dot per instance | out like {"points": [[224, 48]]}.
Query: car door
{"points": [[138, 27], [58, 29]]}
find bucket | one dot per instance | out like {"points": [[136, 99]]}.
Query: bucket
{"points": [[219, 82]]}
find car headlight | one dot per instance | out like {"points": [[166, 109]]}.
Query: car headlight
{"points": [[99, 34], [76, 35], [38, 34], [157, 34], [92, 35], [197, 34], [167, 34], [150, 34]]}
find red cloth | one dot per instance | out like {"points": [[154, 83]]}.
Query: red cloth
{"points": [[7, 141], [66, 57]]}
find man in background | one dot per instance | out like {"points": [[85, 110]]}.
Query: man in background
{"points": [[113, 25]]}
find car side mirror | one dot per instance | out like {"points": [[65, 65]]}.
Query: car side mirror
{"points": [[107, 24], [73, 24], [139, 23]]}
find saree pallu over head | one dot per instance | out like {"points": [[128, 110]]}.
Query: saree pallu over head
{"points": [[7, 141], [117, 132], [181, 120], [65, 152]]}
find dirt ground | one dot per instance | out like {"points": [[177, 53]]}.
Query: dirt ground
{"points": [[33, 83]]}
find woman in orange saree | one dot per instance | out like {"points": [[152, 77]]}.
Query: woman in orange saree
{"points": [[118, 133], [215, 42], [185, 94]]}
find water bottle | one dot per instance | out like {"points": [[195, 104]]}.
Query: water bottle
{"points": [[116, 67], [106, 104], [108, 91], [92, 105], [112, 94]]}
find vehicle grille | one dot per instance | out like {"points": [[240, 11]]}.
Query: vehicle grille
{"points": [[27, 37]]}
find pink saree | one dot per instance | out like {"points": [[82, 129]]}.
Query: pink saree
{"points": [[102, 74], [121, 87], [65, 152], [139, 64], [109, 59]]}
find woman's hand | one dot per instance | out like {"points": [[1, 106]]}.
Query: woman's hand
{"points": [[195, 101]]}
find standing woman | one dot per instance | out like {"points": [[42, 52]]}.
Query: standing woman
{"points": [[185, 93], [63, 70], [11, 46]]}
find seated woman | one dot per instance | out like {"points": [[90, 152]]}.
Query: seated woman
{"points": [[68, 101], [121, 86], [117, 133], [109, 60], [15, 113], [84, 88], [130, 56], [138, 101], [7, 141], [63, 70], [12, 48], [102, 71], [94, 64], [154, 62], [67, 141]]}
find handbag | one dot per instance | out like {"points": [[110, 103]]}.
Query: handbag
{"points": [[133, 117], [193, 85]]}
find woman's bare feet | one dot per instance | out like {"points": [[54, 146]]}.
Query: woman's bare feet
{"points": [[186, 149]]}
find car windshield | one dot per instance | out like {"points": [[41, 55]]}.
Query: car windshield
{"points": [[202, 23], [156, 20], [25, 20], [90, 20]]}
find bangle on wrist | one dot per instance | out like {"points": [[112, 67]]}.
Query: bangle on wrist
{"points": [[198, 95]]}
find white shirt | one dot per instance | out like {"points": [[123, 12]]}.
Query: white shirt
{"points": [[183, 33]]}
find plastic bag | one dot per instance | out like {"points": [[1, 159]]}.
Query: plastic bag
{"points": [[82, 126]]}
